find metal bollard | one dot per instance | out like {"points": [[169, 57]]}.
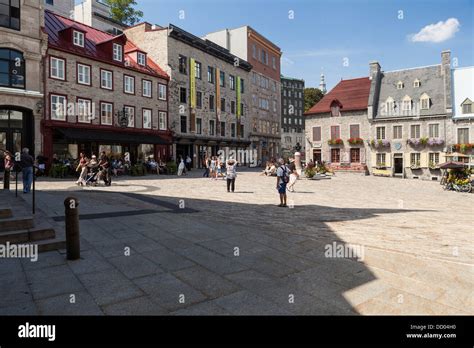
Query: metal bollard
{"points": [[73, 245], [6, 180]]}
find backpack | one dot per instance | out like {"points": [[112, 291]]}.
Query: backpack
{"points": [[285, 177]]}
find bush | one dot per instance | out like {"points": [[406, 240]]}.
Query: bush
{"points": [[138, 170], [172, 167], [310, 173], [58, 171]]}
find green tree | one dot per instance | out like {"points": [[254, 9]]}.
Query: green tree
{"points": [[311, 97], [123, 11]]}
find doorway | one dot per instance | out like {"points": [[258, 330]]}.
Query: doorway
{"points": [[398, 164], [16, 130], [317, 156]]}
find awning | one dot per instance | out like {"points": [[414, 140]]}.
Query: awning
{"points": [[111, 137]]}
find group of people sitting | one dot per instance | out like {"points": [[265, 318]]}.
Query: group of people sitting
{"points": [[158, 167], [270, 168]]}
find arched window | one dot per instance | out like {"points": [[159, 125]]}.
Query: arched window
{"points": [[389, 106], [416, 83], [406, 103], [10, 14], [400, 85], [12, 68], [424, 101]]}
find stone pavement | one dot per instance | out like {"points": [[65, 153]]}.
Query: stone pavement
{"points": [[184, 246]]}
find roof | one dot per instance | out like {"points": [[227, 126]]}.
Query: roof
{"points": [[351, 94], [55, 24]]}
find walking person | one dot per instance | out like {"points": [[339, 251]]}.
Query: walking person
{"points": [[213, 167], [231, 174], [26, 164], [8, 165], [181, 167], [104, 164], [206, 167], [82, 167], [293, 175], [188, 163], [283, 174]]}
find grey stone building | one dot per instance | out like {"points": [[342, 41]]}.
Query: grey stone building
{"points": [[61, 7], [208, 94], [22, 48], [96, 13], [292, 119], [409, 113]]}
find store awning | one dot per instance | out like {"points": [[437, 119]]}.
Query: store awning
{"points": [[111, 137]]}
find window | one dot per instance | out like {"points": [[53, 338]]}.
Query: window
{"points": [[467, 106], [162, 120], [147, 118], [316, 133], [425, 101], [183, 64], [141, 58], [161, 91], [380, 160], [222, 129], [129, 84], [106, 113], [223, 104], [118, 52], [434, 158], [232, 107], [274, 106], [415, 131], [78, 38], [355, 155], [463, 135], [406, 103], [84, 110], [415, 159], [12, 69], [241, 130], [274, 63], [58, 107], [184, 124], [433, 130], [212, 127], [146, 88], [335, 109], [232, 82], [198, 70], [335, 155], [353, 131], [10, 14], [399, 85], [254, 51], [57, 68], [335, 132], [182, 95], [210, 74], [106, 79], [232, 130], [389, 105], [211, 102], [397, 132], [198, 126], [222, 79], [83, 74], [130, 112], [241, 109], [380, 133], [416, 83], [199, 100], [242, 89]]}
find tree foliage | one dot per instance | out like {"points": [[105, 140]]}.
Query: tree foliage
{"points": [[311, 97], [124, 12]]}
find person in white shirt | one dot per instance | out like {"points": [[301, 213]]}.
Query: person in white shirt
{"points": [[283, 177]]}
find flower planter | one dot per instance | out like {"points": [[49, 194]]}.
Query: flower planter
{"points": [[335, 142]]}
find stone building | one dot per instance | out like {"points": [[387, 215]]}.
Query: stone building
{"points": [[102, 93], [265, 87], [61, 7], [209, 91], [22, 47], [337, 128], [96, 13], [292, 120], [463, 111], [410, 113]]}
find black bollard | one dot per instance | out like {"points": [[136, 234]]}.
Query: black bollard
{"points": [[73, 245], [6, 180]]}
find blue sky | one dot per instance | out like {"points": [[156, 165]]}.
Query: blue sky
{"points": [[323, 35]]}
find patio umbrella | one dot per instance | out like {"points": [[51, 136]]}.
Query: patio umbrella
{"points": [[452, 165], [457, 154]]}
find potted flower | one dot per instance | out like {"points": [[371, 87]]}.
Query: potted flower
{"points": [[415, 165], [355, 141], [414, 142], [423, 141], [432, 165], [337, 141], [310, 172], [435, 142], [463, 148], [381, 165]]}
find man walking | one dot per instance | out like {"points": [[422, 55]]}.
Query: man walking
{"points": [[293, 175], [26, 164], [283, 174]]}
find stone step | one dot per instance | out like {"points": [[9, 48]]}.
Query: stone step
{"points": [[28, 235], [51, 244], [5, 212], [16, 223]]}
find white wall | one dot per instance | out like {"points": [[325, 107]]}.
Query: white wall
{"points": [[463, 83]]}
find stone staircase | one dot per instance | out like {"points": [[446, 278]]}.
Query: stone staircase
{"points": [[19, 226]]}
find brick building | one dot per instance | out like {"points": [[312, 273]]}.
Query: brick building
{"points": [[265, 87], [209, 90], [292, 120], [102, 93], [22, 47]]}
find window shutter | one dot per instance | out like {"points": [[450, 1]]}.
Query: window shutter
{"points": [[388, 159], [424, 159], [373, 159], [407, 160], [316, 133]]}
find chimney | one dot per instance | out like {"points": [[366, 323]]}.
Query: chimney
{"points": [[446, 73], [374, 68], [375, 81]]}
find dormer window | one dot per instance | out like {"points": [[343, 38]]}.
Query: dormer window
{"points": [[389, 105], [416, 83], [406, 103], [467, 106], [78, 38], [118, 52], [335, 108], [424, 101], [399, 85], [141, 58]]}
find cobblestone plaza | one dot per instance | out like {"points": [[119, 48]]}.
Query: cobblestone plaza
{"points": [[183, 245]]}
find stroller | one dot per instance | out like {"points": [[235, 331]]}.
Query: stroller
{"points": [[93, 176]]}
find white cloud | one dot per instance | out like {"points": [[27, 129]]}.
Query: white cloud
{"points": [[438, 32], [286, 61]]}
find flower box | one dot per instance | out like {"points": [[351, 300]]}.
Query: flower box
{"points": [[415, 142], [463, 148], [355, 141], [435, 142], [335, 141], [379, 143]]}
